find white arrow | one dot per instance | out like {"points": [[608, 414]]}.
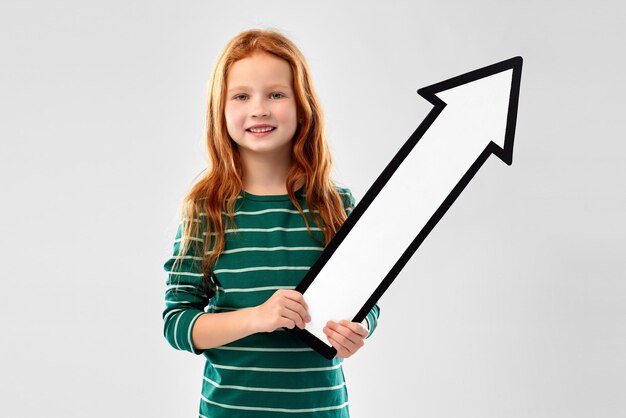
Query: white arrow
{"points": [[474, 115]]}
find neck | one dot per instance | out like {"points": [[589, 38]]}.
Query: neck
{"points": [[265, 175]]}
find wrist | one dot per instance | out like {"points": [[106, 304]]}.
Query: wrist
{"points": [[252, 319]]}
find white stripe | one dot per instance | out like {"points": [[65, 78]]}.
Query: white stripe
{"points": [[278, 228], [261, 389], [190, 239], [186, 257], [171, 312], [254, 289], [260, 212], [267, 349], [253, 408], [179, 286], [240, 250], [243, 270], [185, 273], [276, 369]]}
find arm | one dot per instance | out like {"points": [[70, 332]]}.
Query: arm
{"points": [[187, 327], [285, 308], [217, 329]]}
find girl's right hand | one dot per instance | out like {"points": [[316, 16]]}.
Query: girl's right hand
{"points": [[285, 308]]}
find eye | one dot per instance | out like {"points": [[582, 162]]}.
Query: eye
{"points": [[276, 95], [241, 97]]}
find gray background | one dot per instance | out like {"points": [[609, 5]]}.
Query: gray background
{"points": [[513, 307]]}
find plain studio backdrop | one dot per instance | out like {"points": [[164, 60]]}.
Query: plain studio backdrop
{"points": [[514, 306]]}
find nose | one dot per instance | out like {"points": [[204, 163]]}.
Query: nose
{"points": [[260, 108]]}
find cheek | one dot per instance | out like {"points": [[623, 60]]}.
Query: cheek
{"points": [[232, 117], [289, 115]]}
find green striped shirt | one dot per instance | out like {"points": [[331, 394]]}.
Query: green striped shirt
{"points": [[264, 374]]}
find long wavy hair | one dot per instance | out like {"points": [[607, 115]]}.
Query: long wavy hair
{"points": [[209, 206]]}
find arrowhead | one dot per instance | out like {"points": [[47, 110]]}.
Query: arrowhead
{"points": [[483, 103]]}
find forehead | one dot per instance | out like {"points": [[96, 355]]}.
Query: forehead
{"points": [[259, 69]]}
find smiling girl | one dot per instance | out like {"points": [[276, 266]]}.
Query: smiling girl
{"points": [[251, 228]]}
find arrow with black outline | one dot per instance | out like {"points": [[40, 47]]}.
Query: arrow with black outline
{"points": [[474, 116]]}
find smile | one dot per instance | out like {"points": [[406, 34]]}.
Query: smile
{"points": [[261, 130]]}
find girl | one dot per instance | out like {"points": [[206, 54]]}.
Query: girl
{"points": [[250, 230]]}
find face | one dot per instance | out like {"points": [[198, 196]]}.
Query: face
{"points": [[260, 108]]}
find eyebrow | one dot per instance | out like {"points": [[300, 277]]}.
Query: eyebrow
{"points": [[273, 86]]}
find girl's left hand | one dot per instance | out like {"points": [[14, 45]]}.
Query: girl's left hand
{"points": [[347, 337]]}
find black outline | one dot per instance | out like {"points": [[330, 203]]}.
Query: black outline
{"points": [[505, 154]]}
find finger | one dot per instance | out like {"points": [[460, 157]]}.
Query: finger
{"points": [[286, 323], [341, 339], [348, 334], [356, 327], [293, 317], [295, 296], [338, 345], [342, 351], [296, 312], [298, 308]]}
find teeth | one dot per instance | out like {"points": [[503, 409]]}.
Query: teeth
{"points": [[260, 130]]}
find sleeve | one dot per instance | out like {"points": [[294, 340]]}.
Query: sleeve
{"points": [[372, 317], [185, 295]]}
